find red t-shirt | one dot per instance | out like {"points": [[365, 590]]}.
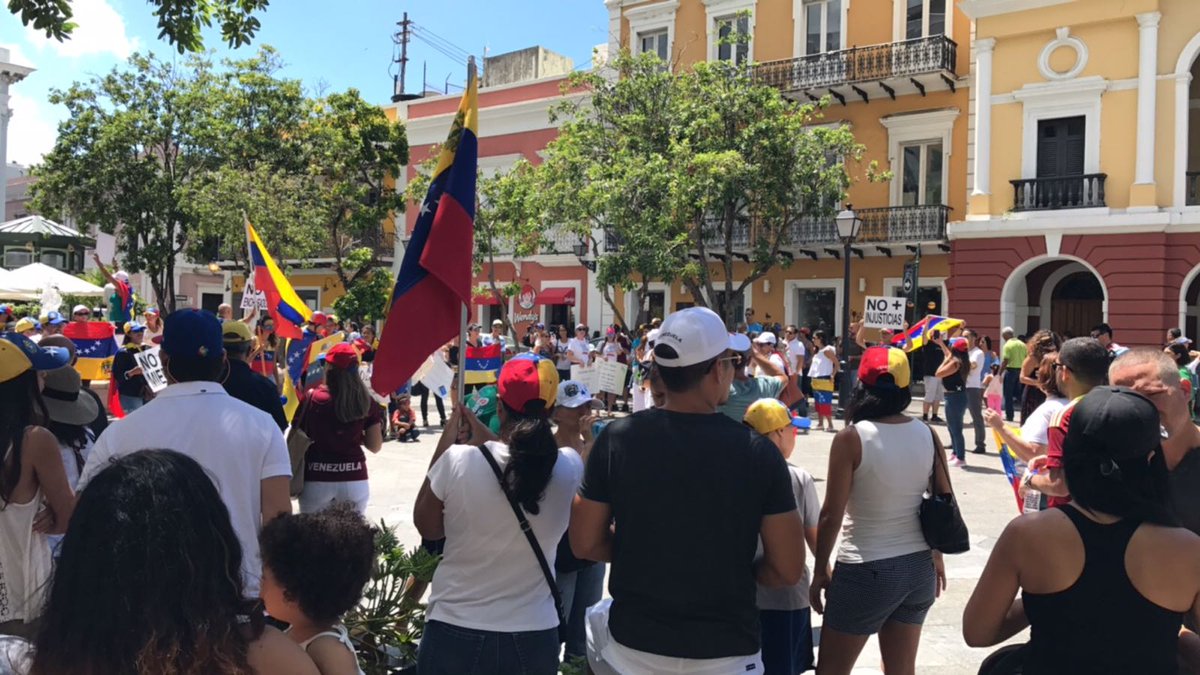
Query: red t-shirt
{"points": [[336, 454], [1055, 434]]}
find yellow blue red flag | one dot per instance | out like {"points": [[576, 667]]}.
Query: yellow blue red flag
{"points": [[924, 328], [288, 310]]}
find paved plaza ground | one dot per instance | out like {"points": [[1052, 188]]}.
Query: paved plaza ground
{"points": [[987, 504]]}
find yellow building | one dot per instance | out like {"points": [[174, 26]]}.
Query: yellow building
{"points": [[1085, 163], [897, 71]]}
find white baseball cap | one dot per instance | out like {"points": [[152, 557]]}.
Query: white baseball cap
{"points": [[573, 394], [652, 336], [695, 335], [766, 338]]}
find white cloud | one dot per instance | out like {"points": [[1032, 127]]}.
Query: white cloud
{"points": [[31, 131], [100, 30]]}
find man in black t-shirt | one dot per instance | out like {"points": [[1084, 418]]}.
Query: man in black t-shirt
{"points": [[931, 358], [243, 383], [688, 492]]}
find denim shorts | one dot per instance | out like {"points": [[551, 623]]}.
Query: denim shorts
{"points": [[864, 596]]}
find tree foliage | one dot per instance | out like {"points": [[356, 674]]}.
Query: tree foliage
{"points": [[675, 177], [180, 22], [173, 158]]}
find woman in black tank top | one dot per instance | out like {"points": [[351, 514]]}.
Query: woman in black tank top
{"points": [[1105, 581]]}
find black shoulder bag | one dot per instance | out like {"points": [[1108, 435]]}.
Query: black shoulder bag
{"points": [[941, 522], [533, 543]]}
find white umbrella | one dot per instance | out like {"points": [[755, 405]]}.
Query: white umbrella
{"points": [[9, 293], [33, 279]]}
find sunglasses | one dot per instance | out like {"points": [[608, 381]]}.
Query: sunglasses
{"points": [[736, 360], [83, 313]]}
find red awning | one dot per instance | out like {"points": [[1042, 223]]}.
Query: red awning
{"points": [[485, 299], [556, 296]]}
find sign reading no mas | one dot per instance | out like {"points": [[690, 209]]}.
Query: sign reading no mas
{"points": [[884, 312]]}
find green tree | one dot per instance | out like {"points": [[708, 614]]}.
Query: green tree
{"points": [[353, 153], [179, 21], [689, 170]]}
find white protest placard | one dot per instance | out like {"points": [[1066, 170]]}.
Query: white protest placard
{"points": [[439, 377], [884, 312], [611, 376], [152, 369], [252, 299], [588, 376]]}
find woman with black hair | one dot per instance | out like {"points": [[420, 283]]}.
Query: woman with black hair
{"points": [[886, 577], [1105, 581], [953, 372], [31, 477], [150, 582], [489, 596]]}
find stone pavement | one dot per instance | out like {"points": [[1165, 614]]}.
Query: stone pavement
{"points": [[987, 504]]}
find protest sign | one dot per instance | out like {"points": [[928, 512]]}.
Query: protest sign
{"points": [[610, 376], [884, 312], [252, 299], [152, 369], [588, 376]]}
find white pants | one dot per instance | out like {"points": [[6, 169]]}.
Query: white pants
{"points": [[641, 398], [606, 656], [319, 494]]}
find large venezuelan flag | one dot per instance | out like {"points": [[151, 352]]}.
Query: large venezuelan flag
{"points": [[288, 310], [95, 347], [482, 365], [920, 329], [434, 282]]}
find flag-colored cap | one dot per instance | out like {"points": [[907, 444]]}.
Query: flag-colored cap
{"points": [[878, 362], [769, 414], [19, 354], [25, 324], [529, 384]]}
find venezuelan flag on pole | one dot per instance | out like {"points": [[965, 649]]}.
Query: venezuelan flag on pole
{"points": [[95, 346], [288, 310], [434, 282], [482, 364], [919, 330]]}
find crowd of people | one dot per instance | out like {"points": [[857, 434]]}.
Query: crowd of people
{"points": [[533, 494]]}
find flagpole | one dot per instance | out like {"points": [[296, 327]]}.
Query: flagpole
{"points": [[462, 322]]}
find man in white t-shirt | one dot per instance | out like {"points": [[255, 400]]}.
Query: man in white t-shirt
{"points": [[579, 350], [975, 389], [497, 337], [239, 446], [765, 344], [796, 351]]}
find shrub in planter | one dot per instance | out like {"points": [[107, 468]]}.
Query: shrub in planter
{"points": [[387, 624]]}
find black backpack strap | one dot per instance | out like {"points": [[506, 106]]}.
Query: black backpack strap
{"points": [[533, 542]]}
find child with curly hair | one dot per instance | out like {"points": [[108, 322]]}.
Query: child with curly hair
{"points": [[315, 566]]}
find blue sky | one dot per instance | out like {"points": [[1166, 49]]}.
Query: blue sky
{"points": [[336, 45]]}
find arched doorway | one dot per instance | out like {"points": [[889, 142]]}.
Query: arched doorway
{"points": [[1076, 304], [1189, 304], [1187, 126], [1063, 294]]}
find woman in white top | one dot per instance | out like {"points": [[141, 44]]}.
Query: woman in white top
{"points": [[31, 477], [489, 595], [821, 373], [886, 577]]}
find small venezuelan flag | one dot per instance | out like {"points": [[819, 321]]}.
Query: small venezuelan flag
{"points": [[482, 364]]}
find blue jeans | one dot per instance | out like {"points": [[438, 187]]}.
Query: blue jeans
{"points": [[580, 589], [131, 403], [787, 641], [453, 650], [956, 409], [1012, 391]]}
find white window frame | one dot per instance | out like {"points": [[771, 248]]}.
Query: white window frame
{"points": [[210, 289], [650, 19], [911, 128], [893, 285], [653, 287], [790, 286], [309, 288], [899, 25], [922, 171], [716, 10], [1052, 100], [661, 35], [800, 25]]}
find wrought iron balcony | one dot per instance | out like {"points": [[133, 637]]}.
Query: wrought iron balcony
{"points": [[714, 235], [816, 74], [1193, 188], [1067, 192], [888, 225]]}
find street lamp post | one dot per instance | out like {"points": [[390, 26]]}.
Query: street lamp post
{"points": [[848, 223]]}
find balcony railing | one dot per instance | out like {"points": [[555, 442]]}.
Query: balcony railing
{"points": [[874, 63], [1066, 192], [888, 225], [1193, 188], [714, 235]]}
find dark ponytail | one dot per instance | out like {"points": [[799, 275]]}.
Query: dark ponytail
{"points": [[532, 452]]}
